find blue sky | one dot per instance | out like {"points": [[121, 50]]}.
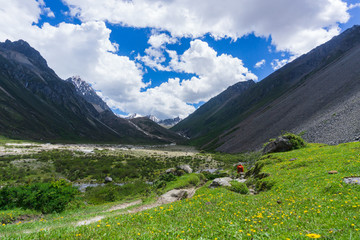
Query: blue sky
{"points": [[166, 58]]}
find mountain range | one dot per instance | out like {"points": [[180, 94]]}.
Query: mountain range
{"points": [[316, 95], [166, 123], [36, 104]]}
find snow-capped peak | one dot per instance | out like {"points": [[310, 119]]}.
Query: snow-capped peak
{"points": [[153, 118], [134, 115]]}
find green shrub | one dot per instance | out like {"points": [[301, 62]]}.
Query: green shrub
{"points": [[255, 170], [264, 185], [167, 177], [192, 179], [44, 197], [111, 192], [212, 176], [163, 179], [238, 187], [296, 141]]}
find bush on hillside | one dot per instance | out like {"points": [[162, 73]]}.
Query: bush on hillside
{"points": [[163, 179], [212, 176], [111, 192], [296, 141], [44, 197], [238, 187], [283, 143], [264, 185]]}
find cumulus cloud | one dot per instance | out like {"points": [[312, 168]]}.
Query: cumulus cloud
{"points": [[159, 40], [277, 63], [155, 57], [355, 5], [260, 64], [71, 49], [214, 73], [17, 16], [85, 50], [296, 26]]}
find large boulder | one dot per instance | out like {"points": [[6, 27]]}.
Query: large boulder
{"points": [[221, 182], [186, 168], [170, 170], [108, 179], [174, 195], [280, 144]]}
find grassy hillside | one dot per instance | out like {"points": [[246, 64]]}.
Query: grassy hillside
{"points": [[305, 202]]}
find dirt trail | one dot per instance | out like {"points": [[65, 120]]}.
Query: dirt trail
{"points": [[169, 197], [124, 205], [114, 208]]}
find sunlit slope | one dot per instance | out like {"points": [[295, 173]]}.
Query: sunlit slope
{"points": [[305, 202]]}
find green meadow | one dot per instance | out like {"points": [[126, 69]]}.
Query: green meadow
{"points": [[297, 199]]}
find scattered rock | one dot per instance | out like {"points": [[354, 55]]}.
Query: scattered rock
{"points": [[252, 191], [280, 144], [186, 168], [352, 180], [240, 180], [175, 195], [179, 172], [108, 179], [332, 172], [241, 175], [170, 170], [221, 182]]}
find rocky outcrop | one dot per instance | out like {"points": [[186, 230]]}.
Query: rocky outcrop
{"points": [[221, 182], [186, 168], [280, 144], [108, 179], [224, 182], [175, 195]]}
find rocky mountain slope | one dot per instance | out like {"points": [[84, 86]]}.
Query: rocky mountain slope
{"points": [[155, 130], [316, 94], [88, 93], [36, 104], [206, 119], [166, 123], [170, 122]]}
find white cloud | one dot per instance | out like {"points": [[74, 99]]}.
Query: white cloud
{"points": [[351, 6], [260, 64], [16, 17], [297, 25], [86, 50], [70, 49], [159, 40], [213, 74], [155, 57], [277, 63], [48, 12]]}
